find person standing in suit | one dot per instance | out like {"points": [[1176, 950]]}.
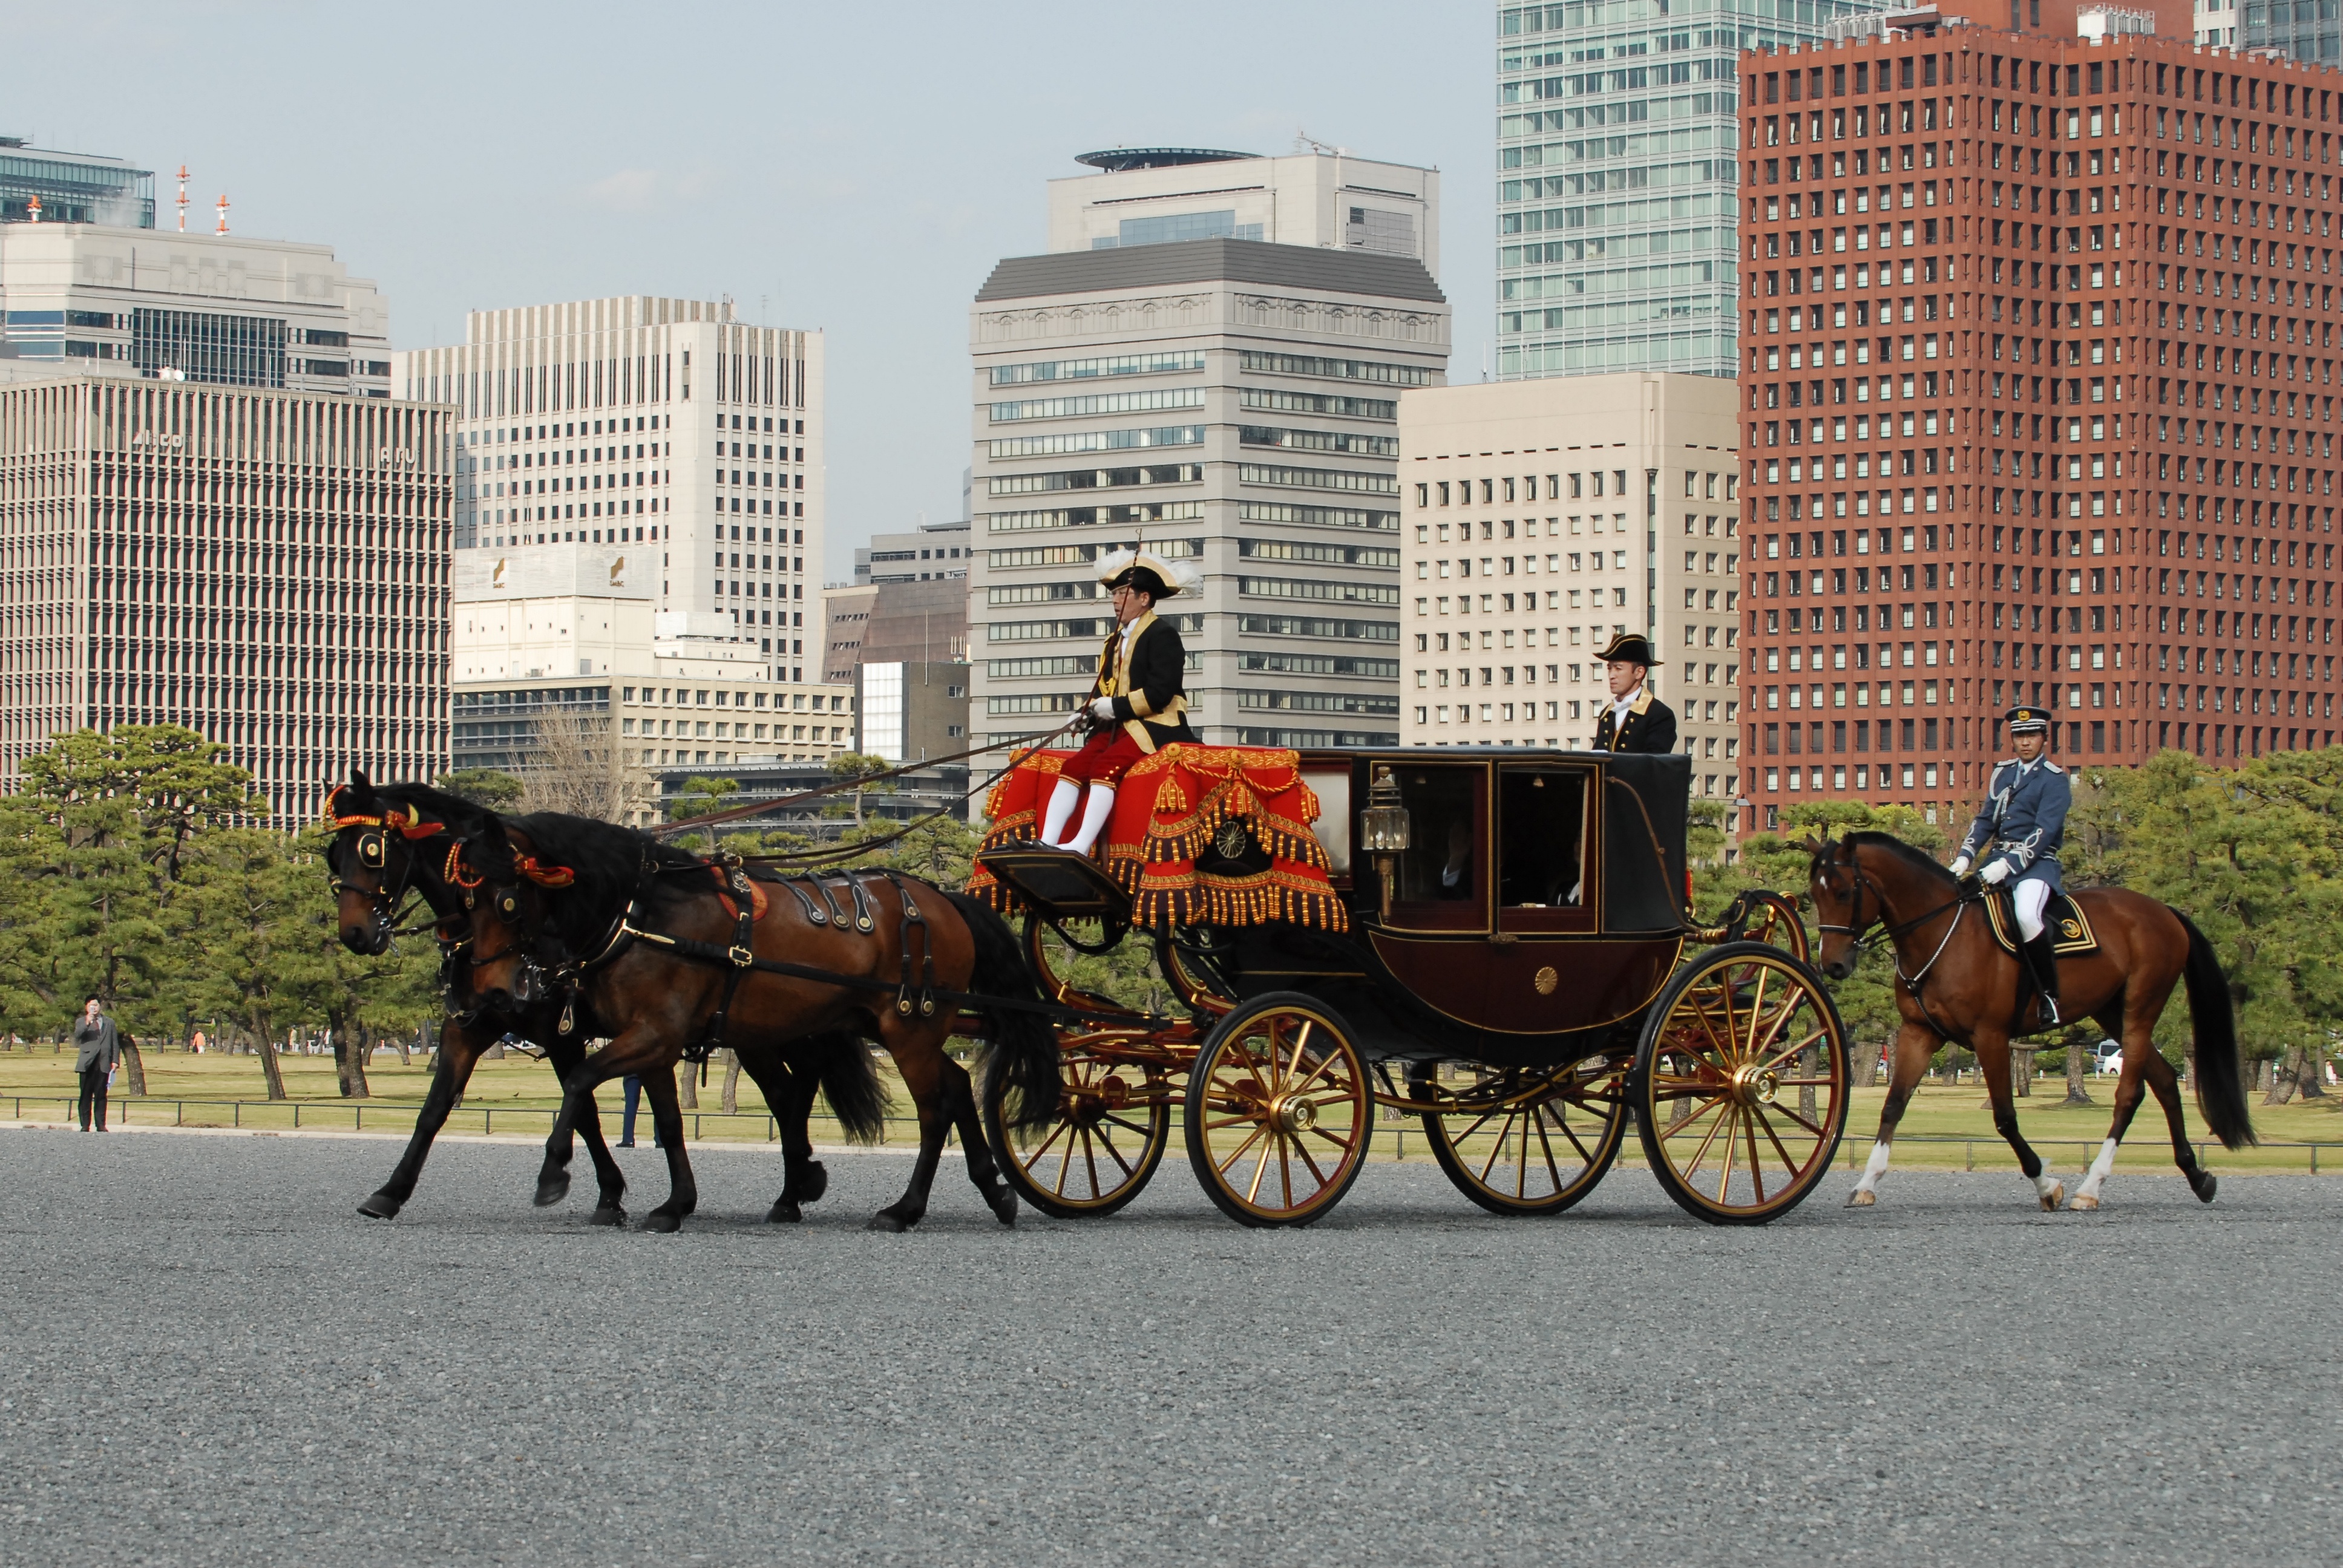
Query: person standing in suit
{"points": [[1137, 704], [97, 1047], [1635, 720]]}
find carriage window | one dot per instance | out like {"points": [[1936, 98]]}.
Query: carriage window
{"points": [[1442, 875], [1333, 828], [1540, 849]]}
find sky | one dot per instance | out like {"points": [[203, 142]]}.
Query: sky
{"points": [[855, 168]]}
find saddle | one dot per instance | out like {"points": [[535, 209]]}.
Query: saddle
{"points": [[2069, 929]]}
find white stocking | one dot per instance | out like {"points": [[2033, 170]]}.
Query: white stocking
{"points": [[1874, 1169], [2101, 1168], [1094, 815], [1062, 801]]}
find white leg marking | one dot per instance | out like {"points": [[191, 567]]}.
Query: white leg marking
{"points": [[2051, 1190], [2088, 1195], [1867, 1190]]}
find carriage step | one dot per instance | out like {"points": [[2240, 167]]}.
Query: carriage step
{"points": [[1059, 883]]}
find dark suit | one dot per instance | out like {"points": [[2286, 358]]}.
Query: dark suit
{"points": [[1149, 701], [1650, 727]]}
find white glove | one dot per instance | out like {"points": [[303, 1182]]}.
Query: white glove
{"points": [[1996, 873], [1960, 865], [1103, 709]]}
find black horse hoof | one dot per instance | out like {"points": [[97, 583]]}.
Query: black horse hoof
{"points": [[662, 1222], [1004, 1207], [552, 1189], [889, 1222], [2206, 1187], [380, 1206], [784, 1212], [607, 1214], [810, 1184]]}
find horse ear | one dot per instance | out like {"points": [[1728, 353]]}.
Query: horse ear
{"points": [[359, 782]]}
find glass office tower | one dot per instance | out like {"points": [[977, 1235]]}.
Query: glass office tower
{"points": [[1616, 196], [2306, 30]]}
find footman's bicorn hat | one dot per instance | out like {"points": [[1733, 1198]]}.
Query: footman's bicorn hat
{"points": [[2027, 721], [1148, 572], [1629, 648]]}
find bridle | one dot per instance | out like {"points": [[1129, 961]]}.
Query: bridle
{"points": [[1857, 928]]}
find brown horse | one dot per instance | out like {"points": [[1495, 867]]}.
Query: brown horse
{"points": [[1954, 983], [580, 907], [397, 839]]}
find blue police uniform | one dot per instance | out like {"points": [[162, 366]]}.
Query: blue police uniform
{"points": [[2022, 820]]}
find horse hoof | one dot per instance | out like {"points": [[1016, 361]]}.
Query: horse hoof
{"points": [[2084, 1204], [2053, 1198], [607, 1214], [1004, 1208], [810, 1184], [1862, 1198], [380, 1206], [784, 1212], [552, 1190], [2205, 1193], [661, 1223], [893, 1224]]}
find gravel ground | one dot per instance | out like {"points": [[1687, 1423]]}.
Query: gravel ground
{"points": [[215, 1360]]}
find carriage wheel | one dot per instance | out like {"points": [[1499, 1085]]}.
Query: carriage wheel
{"points": [[1740, 1084], [1279, 1110], [1113, 1123], [1523, 1151], [1771, 919], [1195, 985]]}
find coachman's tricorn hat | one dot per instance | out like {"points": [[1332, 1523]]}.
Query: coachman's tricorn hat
{"points": [[1148, 572], [1629, 648], [2027, 721]]}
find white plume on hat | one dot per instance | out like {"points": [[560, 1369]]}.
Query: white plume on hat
{"points": [[1179, 576]]}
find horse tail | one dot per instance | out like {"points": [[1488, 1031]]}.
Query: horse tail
{"points": [[2220, 1093], [1022, 1053], [850, 1083]]}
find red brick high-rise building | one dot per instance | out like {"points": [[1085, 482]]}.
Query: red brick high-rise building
{"points": [[2040, 387]]}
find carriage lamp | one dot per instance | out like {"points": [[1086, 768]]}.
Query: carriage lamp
{"points": [[1384, 831]]}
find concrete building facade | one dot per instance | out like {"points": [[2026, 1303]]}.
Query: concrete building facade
{"points": [[910, 713], [1228, 401], [1541, 518], [935, 550], [1324, 197], [267, 567], [2043, 411]]}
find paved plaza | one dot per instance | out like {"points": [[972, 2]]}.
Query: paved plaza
{"points": [[214, 1360]]}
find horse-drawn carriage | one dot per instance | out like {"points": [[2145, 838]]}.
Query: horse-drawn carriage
{"points": [[1494, 942]]}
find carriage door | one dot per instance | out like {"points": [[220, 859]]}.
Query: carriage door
{"points": [[1443, 877], [1545, 880]]}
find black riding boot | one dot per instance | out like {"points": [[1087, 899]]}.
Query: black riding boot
{"points": [[2044, 962]]}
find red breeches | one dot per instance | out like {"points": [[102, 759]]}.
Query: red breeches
{"points": [[1102, 759]]}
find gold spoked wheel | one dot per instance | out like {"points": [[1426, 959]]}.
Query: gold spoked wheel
{"points": [[1773, 920], [1279, 1112], [1113, 1123], [1740, 1084], [1529, 1142]]}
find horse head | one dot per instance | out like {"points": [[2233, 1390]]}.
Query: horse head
{"points": [[510, 917], [374, 860], [1866, 880]]}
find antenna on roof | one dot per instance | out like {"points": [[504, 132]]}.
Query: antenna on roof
{"points": [[183, 198], [1304, 142], [223, 212]]}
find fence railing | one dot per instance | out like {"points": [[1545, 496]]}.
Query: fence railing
{"points": [[744, 1126]]}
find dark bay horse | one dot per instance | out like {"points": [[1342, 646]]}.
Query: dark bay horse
{"points": [[1954, 983], [392, 840], [576, 906]]}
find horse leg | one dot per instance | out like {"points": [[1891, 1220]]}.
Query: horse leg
{"points": [[666, 1117], [1915, 1044], [2137, 1035], [458, 1051], [919, 1060], [2166, 1085], [1992, 1047], [611, 1183], [789, 1092], [962, 1095]]}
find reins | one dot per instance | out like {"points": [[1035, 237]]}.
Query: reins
{"points": [[1854, 932]]}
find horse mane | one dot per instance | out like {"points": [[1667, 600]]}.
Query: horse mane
{"points": [[1911, 855], [610, 863]]}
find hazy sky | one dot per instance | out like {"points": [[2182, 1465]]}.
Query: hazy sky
{"points": [[852, 167]]}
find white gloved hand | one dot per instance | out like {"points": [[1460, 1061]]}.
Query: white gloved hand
{"points": [[1103, 709], [1960, 865], [1996, 873]]}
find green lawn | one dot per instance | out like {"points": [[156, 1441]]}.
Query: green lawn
{"points": [[517, 1085]]}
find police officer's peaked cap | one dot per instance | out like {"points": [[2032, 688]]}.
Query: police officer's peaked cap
{"points": [[2027, 721], [1629, 648]]}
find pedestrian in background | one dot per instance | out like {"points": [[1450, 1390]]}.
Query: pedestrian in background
{"points": [[633, 1083], [97, 1047]]}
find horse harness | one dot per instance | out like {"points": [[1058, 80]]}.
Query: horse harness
{"points": [[1857, 926]]}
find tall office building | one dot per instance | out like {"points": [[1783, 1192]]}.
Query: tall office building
{"points": [[1232, 402], [1324, 198], [40, 185], [1616, 178], [266, 566], [1541, 518], [2040, 393], [215, 309]]}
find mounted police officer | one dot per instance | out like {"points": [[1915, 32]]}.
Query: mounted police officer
{"points": [[1634, 719], [2018, 833]]}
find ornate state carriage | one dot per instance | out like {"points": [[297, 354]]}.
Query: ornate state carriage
{"points": [[1494, 942]]}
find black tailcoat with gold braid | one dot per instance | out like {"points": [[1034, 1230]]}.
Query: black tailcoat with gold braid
{"points": [[1650, 727], [1148, 681]]}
